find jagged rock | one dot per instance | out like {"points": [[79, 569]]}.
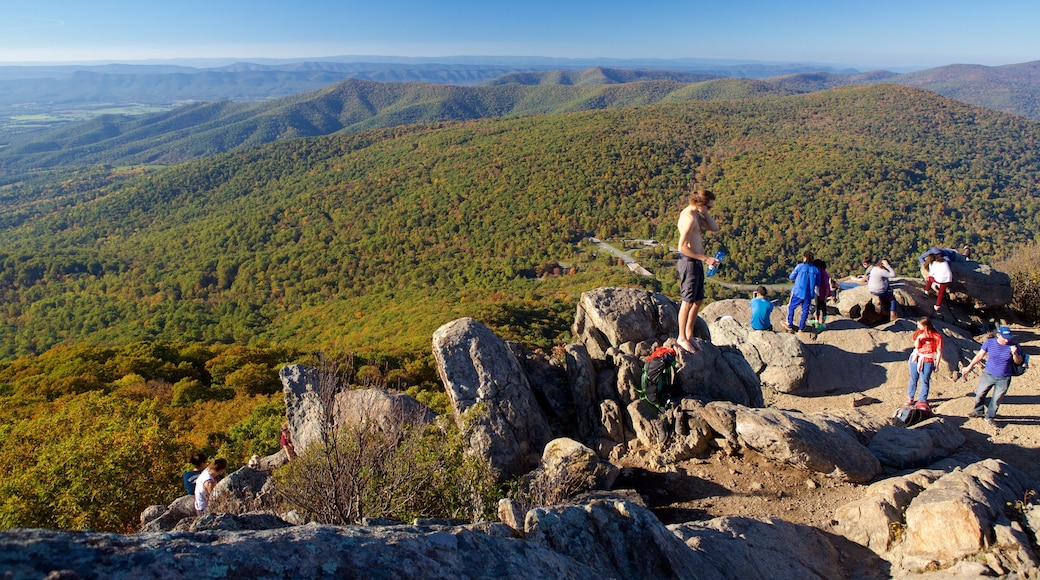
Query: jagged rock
{"points": [[246, 489], [512, 513], [979, 285], [875, 520], [600, 539], [617, 539], [181, 508], [712, 376], [691, 436], [612, 433], [790, 437], [301, 385], [152, 512], [776, 357], [647, 424], [481, 373], [610, 317], [566, 460], [956, 516], [550, 385], [581, 375], [231, 523], [777, 549]]}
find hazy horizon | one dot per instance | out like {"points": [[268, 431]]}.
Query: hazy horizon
{"points": [[882, 35]]}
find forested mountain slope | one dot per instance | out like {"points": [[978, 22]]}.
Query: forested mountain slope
{"points": [[374, 239]]}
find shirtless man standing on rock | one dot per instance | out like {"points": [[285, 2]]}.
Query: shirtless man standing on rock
{"points": [[693, 220]]}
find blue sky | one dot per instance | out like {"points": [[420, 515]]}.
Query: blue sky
{"points": [[879, 34]]}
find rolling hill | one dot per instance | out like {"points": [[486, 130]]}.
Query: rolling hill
{"points": [[370, 240]]}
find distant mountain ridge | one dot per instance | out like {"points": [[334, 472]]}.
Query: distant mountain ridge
{"points": [[351, 105]]}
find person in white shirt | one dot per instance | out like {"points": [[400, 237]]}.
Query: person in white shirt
{"points": [[207, 481], [939, 277]]}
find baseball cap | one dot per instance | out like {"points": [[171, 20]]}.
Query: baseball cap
{"points": [[1004, 332]]}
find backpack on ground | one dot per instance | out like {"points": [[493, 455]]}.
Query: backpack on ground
{"points": [[655, 386], [914, 415]]}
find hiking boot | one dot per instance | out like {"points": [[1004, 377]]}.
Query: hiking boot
{"points": [[909, 402], [974, 415], [791, 329], [992, 422]]}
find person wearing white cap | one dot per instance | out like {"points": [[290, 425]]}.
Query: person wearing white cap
{"points": [[999, 353]]}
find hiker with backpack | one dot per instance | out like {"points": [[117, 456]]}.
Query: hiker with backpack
{"points": [[1001, 356], [928, 345]]}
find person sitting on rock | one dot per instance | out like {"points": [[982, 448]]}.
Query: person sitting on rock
{"points": [[285, 440], [209, 479], [198, 461], [761, 309], [877, 283]]}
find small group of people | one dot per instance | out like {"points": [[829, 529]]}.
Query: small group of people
{"points": [[201, 480], [812, 282]]}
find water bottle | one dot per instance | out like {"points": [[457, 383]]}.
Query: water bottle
{"points": [[719, 255]]}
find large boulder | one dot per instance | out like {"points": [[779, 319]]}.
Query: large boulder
{"points": [[481, 374], [610, 317], [308, 390], [550, 385], [812, 443], [763, 548], [575, 465], [167, 517], [776, 357], [875, 520], [940, 517], [979, 285]]}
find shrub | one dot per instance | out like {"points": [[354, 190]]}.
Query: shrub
{"points": [[370, 469]]}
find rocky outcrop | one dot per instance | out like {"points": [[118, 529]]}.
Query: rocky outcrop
{"points": [[776, 358], [611, 317], [490, 396], [934, 517], [816, 444], [566, 460], [979, 285], [303, 390]]}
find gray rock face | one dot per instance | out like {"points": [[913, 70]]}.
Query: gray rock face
{"points": [[609, 317], [812, 443], [166, 518], [567, 460], [979, 285], [480, 372], [777, 358], [301, 385], [937, 516], [779, 550]]}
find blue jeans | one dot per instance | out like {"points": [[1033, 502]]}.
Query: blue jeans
{"points": [[925, 376], [805, 303], [1000, 388]]}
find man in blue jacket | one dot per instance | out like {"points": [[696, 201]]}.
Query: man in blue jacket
{"points": [[806, 277]]}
